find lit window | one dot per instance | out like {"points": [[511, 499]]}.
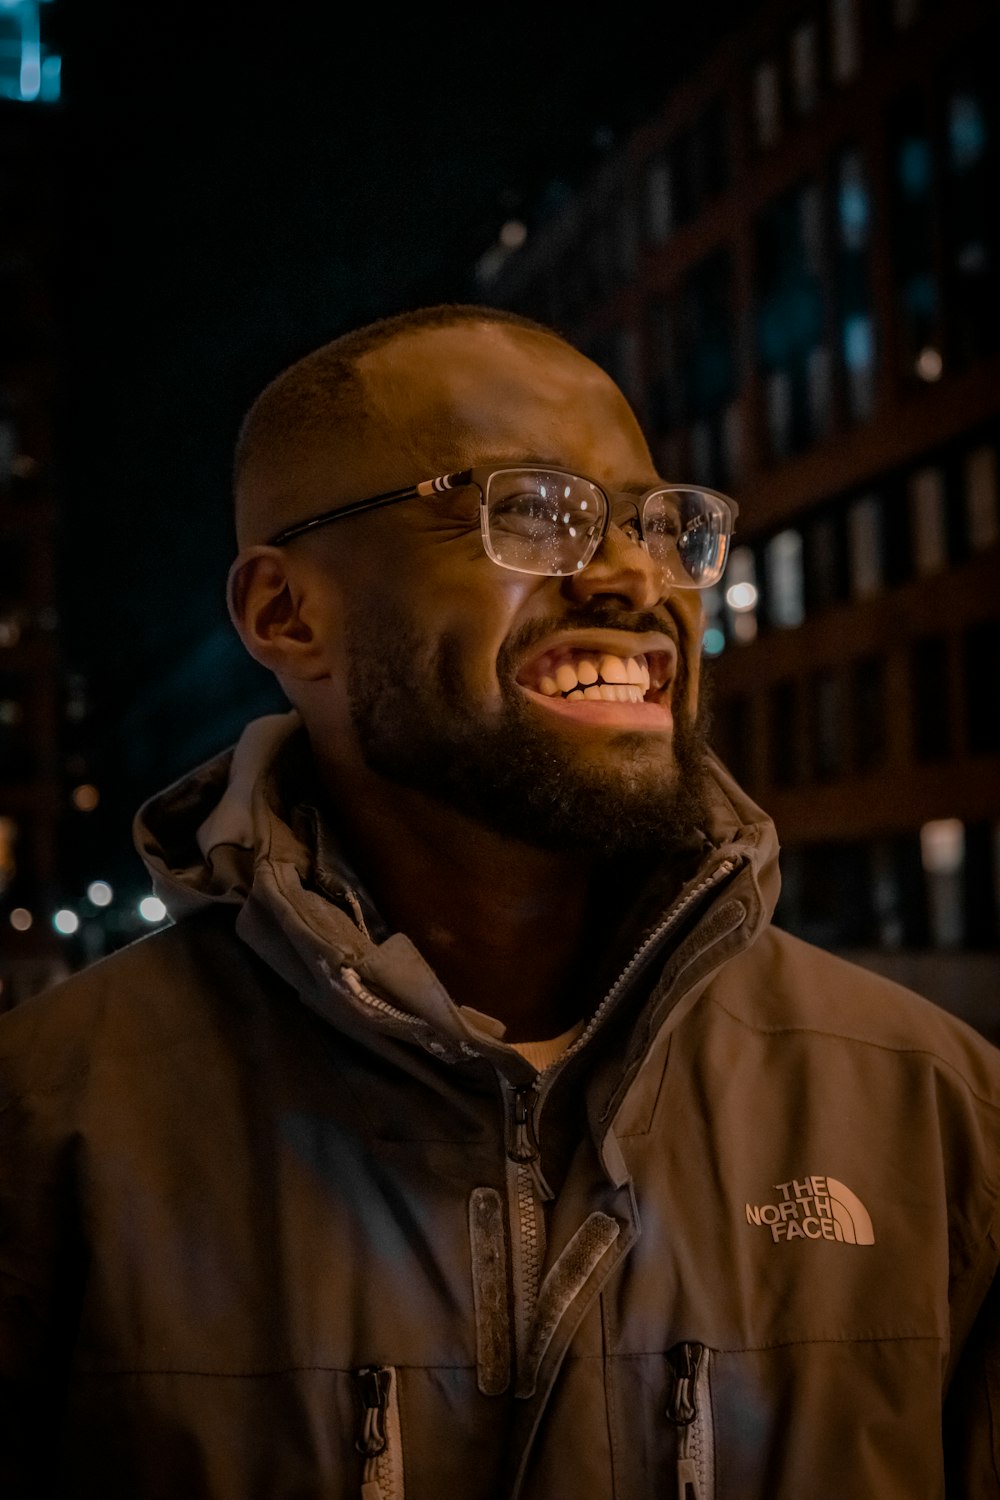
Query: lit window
{"points": [[930, 546], [659, 200], [865, 546], [942, 853], [785, 602], [853, 203], [8, 864], [29, 71], [766, 103], [981, 498], [844, 40], [805, 67]]}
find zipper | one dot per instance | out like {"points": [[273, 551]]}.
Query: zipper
{"points": [[378, 1439], [527, 1190], [689, 1408]]}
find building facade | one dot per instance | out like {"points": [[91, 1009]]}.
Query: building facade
{"points": [[793, 274], [32, 690]]}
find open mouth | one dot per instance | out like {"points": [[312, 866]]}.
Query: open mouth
{"points": [[581, 674]]}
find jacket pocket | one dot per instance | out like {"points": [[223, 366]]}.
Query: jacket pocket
{"points": [[379, 1439], [689, 1409]]}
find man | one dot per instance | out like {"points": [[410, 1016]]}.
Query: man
{"points": [[472, 1132]]}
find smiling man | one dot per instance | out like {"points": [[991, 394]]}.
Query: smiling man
{"points": [[472, 1131]]}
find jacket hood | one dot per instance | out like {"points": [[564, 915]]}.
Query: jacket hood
{"points": [[242, 830]]}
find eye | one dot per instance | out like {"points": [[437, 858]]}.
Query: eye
{"points": [[530, 513]]}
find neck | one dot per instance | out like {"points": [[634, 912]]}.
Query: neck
{"points": [[501, 923]]}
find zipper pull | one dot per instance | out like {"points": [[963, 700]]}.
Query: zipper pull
{"points": [[684, 1361], [373, 1381], [522, 1143]]}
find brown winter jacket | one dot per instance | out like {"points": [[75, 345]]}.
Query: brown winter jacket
{"points": [[278, 1220]]}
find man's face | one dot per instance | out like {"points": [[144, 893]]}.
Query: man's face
{"points": [[450, 660]]}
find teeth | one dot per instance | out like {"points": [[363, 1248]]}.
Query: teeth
{"points": [[608, 679], [613, 669]]}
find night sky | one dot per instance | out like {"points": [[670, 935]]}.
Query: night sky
{"points": [[247, 181]]}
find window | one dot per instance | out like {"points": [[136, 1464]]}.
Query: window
{"points": [[784, 571], [981, 651], [869, 712], [790, 321], [845, 41], [29, 70], [857, 328], [805, 67], [659, 200], [828, 719], [767, 103], [927, 509], [982, 521], [825, 560], [942, 851], [912, 210], [865, 546], [969, 222], [930, 699], [706, 384]]}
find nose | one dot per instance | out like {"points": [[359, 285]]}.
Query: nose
{"points": [[622, 569]]}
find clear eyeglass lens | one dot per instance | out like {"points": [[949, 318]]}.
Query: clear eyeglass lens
{"points": [[543, 520], [687, 531]]}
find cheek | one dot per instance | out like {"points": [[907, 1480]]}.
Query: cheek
{"points": [[691, 620]]}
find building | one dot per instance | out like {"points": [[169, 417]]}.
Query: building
{"points": [[32, 708], [793, 274]]}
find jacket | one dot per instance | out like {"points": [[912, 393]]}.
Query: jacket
{"points": [[278, 1219]]}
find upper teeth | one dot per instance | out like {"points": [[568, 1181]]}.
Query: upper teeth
{"points": [[612, 678]]}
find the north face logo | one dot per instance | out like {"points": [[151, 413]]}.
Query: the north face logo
{"points": [[814, 1208]]}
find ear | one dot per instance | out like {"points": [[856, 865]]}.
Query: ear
{"points": [[270, 607]]}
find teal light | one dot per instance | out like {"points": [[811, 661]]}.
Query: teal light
{"points": [[714, 641], [29, 72], [914, 165], [859, 344], [966, 131]]}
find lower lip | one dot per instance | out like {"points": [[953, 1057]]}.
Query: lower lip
{"points": [[649, 716]]}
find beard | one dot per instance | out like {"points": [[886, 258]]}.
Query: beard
{"points": [[505, 768]]}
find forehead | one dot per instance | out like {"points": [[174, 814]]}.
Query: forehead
{"points": [[456, 396]]}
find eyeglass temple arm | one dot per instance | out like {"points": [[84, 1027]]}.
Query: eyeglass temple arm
{"points": [[375, 502]]}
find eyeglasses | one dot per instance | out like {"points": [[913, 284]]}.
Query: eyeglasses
{"points": [[551, 522]]}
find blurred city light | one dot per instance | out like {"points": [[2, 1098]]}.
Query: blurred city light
{"points": [[99, 893], [86, 797], [21, 919], [152, 909], [66, 922], [741, 596]]}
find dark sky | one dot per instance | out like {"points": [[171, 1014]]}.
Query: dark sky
{"points": [[247, 181]]}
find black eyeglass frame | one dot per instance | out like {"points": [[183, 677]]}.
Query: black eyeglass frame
{"points": [[615, 502]]}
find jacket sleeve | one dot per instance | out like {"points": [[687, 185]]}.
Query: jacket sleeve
{"points": [[972, 1406], [40, 1276]]}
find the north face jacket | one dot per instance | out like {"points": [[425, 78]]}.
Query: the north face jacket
{"points": [[278, 1221]]}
